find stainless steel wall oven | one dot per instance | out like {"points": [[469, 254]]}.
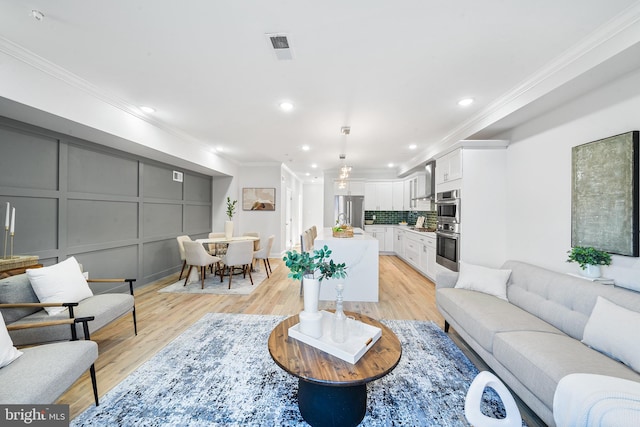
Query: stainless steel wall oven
{"points": [[448, 229]]}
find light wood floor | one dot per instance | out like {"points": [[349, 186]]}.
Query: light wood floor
{"points": [[404, 294]]}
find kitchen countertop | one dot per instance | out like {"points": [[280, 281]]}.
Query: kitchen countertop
{"points": [[404, 227]]}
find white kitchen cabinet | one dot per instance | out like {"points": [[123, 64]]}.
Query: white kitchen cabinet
{"points": [[397, 200], [428, 257], [449, 167], [384, 236], [351, 188], [378, 196], [407, 194], [398, 241], [412, 250]]}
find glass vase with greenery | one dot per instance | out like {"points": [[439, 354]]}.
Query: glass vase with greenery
{"points": [[587, 255]]}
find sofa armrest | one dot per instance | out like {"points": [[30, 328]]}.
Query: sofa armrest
{"points": [[130, 281], [446, 279], [84, 320]]}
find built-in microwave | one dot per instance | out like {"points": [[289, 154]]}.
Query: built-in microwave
{"points": [[448, 206]]}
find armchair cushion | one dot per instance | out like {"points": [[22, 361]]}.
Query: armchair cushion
{"points": [[13, 290], [8, 353], [62, 282]]}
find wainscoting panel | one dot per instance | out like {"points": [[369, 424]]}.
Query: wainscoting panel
{"points": [[36, 223], [161, 219], [91, 171], [197, 188], [158, 183], [160, 259], [28, 160], [197, 218], [96, 221], [120, 262]]}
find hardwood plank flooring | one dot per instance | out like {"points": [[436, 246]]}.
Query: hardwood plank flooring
{"points": [[404, 294]]}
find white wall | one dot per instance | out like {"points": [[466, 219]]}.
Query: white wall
{"points": [[313, 205], [539, 175]]}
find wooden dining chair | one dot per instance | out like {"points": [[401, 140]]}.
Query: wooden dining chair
{"points": [[239, 255], [197, 256]]}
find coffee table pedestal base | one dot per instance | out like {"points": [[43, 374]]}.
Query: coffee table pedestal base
{"points": [[323, 405]]}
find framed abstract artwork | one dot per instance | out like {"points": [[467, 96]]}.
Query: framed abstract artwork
{"points": [[258, 199], [604, 194]]}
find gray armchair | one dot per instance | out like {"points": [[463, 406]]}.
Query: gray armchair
{"points": [[43, 373]]}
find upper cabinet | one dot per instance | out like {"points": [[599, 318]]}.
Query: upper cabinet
{"points": [[378, 196], [449, 167], [398, 199], [352, 188]]}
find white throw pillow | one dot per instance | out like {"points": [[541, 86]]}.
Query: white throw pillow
{"points": [[613, 330], [483, 279], [8, 353], [62, 282]]}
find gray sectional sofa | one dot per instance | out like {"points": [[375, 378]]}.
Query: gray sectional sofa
{"points": [[534, 339]]}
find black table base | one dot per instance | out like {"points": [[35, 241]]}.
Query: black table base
{"points": [[324, 405]]}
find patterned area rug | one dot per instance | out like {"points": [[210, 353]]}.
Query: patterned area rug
{"points": [[212, 284], [219, 373]]}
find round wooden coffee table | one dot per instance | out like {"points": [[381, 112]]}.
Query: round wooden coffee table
{"points": [[332, 392]]}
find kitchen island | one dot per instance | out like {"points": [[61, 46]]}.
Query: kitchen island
{"points": [[360, 253]]}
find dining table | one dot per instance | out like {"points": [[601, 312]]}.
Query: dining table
{"points": [[225, 240]]}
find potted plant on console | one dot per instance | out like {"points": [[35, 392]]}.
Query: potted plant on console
{"points": [[228, 225], [589, 259], [311, 269]]}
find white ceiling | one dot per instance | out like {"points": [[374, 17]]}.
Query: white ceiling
{"points": [[392, 71]]}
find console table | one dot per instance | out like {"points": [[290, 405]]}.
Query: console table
{"points": [[17, 265]]}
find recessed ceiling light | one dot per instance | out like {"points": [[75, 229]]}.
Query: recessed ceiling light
{"points": [[390, 165], [314, 165], [305, 148], [147, 109], [465, 102], [413, 147], [286, 106], [307, 174]]}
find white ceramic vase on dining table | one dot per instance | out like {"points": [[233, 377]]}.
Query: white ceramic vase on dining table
{"points": [[228, 229]]}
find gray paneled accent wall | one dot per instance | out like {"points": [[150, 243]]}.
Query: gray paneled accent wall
{"points": [[118, 214]]}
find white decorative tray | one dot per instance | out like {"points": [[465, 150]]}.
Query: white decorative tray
{"points": [[360, 339]]}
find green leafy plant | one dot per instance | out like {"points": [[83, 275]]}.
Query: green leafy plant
{"points": [[586, 255], [317, 264], [231, 207]]}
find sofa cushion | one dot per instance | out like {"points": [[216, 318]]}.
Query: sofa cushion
{"points": [[562, 300], [540, 360], [17, 289], [104, 307], [62, 282], [48, 369], [8, 352], [612, 330], [483, 279], [483, 316]]}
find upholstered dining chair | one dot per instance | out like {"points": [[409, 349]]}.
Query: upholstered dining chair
{"points": [[181, 240], [217, 249], [314, 232], [197, 256], [263, 254], [256, 243], [239, 255]]}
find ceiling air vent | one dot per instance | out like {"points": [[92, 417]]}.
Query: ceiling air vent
{"points": [[281, 46]]}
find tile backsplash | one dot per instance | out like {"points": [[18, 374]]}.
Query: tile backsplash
{"points": [[394, 217]]}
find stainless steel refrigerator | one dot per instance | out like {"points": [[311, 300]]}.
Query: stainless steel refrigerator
{"points": [[349, 209]]}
